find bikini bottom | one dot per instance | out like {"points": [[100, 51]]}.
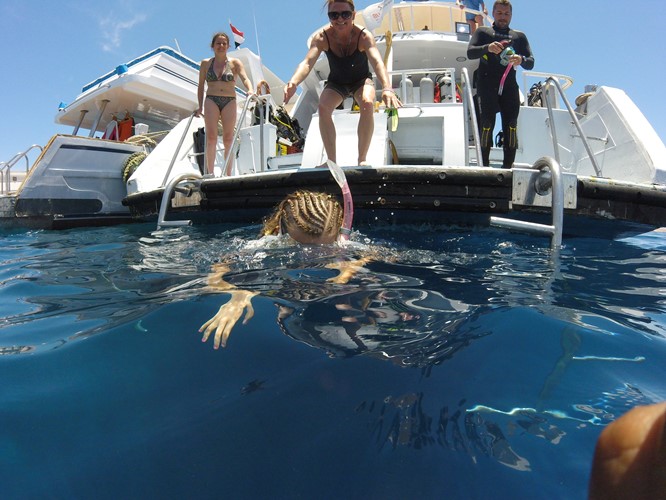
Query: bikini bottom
{"points": [[220, 100]]}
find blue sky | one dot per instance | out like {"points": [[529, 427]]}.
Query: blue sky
{"points": [[51, 49]]}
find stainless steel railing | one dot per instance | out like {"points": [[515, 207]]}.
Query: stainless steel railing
{"points": [[6, 167]]}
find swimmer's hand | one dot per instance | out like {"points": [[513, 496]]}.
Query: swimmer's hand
{"points": [[228, 315], [348, 269]]}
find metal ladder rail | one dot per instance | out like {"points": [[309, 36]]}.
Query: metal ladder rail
{"points": [[6, 167], [175, 153], [235, 142], [469, 108], [195, 178], [551, 178], [553, 81], [187, 128]]}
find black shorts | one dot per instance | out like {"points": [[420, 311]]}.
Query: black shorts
{"points": [[348, 89]]}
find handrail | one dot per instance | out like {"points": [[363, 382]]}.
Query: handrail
{"points": [[268, 103], [475, 126], [551, 178], [7, 167], [166, 199], [229, 154], [552, 81], [175, 153], [568, 81], [235, 139]]}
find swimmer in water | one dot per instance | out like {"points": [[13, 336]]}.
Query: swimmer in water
{"points": [[308, 218]]}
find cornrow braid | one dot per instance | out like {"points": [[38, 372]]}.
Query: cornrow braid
{"points": [[314, 213]]}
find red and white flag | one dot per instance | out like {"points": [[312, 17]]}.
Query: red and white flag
{"points": [[239, 36]]}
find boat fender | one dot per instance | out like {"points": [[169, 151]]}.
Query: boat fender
{"points": [[131, 163]]}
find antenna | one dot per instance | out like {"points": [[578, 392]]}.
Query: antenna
{"points": [[256, 32], [177, 46]]}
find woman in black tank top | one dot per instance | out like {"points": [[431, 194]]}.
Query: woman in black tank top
{"points": [[350, 51]]}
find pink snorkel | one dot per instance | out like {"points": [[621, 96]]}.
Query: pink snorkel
{"points": [[340, 178], [506, 53], [506, 73]]}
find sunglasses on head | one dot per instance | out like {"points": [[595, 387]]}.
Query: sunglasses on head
{"points": [[345, 14]]}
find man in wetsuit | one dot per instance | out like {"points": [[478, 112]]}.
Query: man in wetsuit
{"points": [[496, 47]]}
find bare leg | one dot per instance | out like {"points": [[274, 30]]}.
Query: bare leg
{"points": [[365, 96], [211, 116], [228, 116], [472, 25], [328, 101]]}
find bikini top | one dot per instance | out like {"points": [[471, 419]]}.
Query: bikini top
{"points": [[226, 76]]}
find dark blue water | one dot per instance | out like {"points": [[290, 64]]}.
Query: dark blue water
{"points": [[459, 363]]}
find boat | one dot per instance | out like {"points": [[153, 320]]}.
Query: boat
{"points": [[595, 163], [78, 179]]}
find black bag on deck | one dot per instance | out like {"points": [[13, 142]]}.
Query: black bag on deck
{"points": [[199, 147], [288, 128]]}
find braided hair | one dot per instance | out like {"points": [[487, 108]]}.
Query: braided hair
{"points": [[315, 214]]}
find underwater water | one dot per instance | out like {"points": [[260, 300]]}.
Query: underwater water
{"points": [[456, 363]]}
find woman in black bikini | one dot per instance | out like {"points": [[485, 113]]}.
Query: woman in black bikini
{"points": [[349, 49], [219, 74]]}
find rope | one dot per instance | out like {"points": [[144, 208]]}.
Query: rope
{"points": [[131, 163]]}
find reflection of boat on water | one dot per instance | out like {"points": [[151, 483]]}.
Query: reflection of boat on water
{"points": [[607, 161], [79, 180]]}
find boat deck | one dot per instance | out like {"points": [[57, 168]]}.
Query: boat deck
{"points": [[439, 195]]}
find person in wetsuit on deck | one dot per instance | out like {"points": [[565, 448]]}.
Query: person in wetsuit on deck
{"points": [[218, 74], [349, 49], [497, 47]]}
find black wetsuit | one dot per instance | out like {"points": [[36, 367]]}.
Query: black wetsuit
{"points": [[488, 78]]}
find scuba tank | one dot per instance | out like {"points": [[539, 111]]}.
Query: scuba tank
{"points": [[446, 89], [427, 89], [409, 86]]}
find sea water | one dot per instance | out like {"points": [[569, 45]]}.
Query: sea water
{"points": [[456, 363]]}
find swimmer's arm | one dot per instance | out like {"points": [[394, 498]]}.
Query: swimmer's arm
{"points": [[216, 281], [348, 269]]}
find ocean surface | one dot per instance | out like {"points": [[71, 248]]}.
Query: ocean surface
{"points": [[456, 363]]}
